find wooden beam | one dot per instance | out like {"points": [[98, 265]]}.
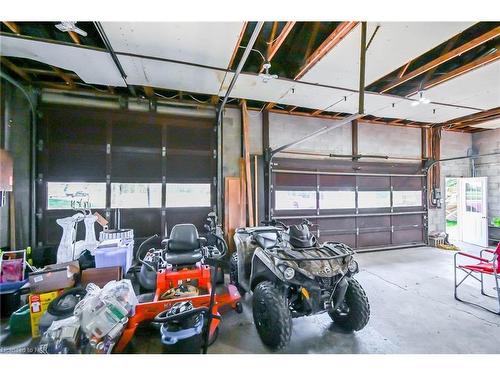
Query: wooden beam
{"points": [[246, 157], [150, 93], [292, 109], [330, 42], [269, 106], [272, 36], [14, 27], [317, 112], [484, 60], [240, 38], [19, 71], [276, 44], [312, 39], [74, 36], [65, 77], [494, 112], [444, 58], [354, 138]]}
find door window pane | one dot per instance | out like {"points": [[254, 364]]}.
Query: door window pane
{"points": [[329, 200], [295, 200], [66, 195], [374, 199], [188, 195], [407, 198], [135, 195], [473, 197]]}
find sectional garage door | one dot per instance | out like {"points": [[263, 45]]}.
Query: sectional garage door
{"points": [[158, 170], [369, 206]]}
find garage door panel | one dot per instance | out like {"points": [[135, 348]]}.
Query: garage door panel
{"points": [[407, 236], [348, 239], [372, 239], [135, 133], [337, 182], [295, 180], [339, 224], [179, 137], [402, 220], [374, 222], [193, 215], [136, 167], [368, 183], [407, 183], [145, 221], [77, 165], [190, 167]]}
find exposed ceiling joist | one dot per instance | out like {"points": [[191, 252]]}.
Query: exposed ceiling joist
{"points": [[74, 37], [330, 42], [473, 118], [444, 58], [237, 46], [150, 93], [14, 27], [276, 44], [20, 72], [484, 60], [65, 77]]}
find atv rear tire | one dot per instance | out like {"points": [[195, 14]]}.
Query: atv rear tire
{"points": [[233, 273], [271, 315], [357, 313]]}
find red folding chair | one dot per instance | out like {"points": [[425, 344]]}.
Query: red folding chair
{"points": [[477, 271]]}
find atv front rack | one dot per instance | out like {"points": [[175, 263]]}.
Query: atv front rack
{"points": [[347, 252]]}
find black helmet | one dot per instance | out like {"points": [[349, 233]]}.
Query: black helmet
{"points": [[301, 237]]}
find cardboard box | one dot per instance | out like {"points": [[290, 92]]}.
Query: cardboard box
{"points": [[54, 277], [38, 305]]}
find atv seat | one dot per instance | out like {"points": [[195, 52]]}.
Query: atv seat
{"points": [[183, 248]]}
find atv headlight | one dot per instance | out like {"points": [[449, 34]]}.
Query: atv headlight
{"points": [[289, 273], [353, 266]]}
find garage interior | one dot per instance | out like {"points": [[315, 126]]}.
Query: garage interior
{"points": [[383, 136]]}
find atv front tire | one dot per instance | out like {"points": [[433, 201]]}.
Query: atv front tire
{"points": [[271, 315], [354, 313]]}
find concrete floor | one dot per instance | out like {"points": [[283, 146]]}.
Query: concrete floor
{"points": [[412, 311]]}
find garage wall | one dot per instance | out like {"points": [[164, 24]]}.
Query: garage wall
{"points": [[488, 142], [387, 140], [453, 144], [15, 137]]}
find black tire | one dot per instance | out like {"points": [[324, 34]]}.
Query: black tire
{"points": [[271, 315], [355, 312], [233, 273]]}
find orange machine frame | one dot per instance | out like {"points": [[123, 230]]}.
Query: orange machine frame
{"points": [[167, 279]]}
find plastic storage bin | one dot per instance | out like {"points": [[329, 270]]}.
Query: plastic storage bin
{"points": [[111, 256]]}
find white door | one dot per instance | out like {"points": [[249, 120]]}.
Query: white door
{"points": [[473, 215]]}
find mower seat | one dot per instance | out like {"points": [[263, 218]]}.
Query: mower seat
{"points": [[184, 245]]}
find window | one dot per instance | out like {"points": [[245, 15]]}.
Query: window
{"points": [[125, 195], [473, 197], [406, 198], [66, 195], [188, 195], [329, 200], [374, 199], [295, 200]]}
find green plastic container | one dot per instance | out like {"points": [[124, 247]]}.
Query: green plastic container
{"points": [[495, 222], [20, 323]]}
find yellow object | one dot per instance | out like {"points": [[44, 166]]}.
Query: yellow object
{"points": [[38, 305], [305, 293], [448, 247]]}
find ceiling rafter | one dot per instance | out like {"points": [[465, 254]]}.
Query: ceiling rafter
{"points": [[473, 118], [74, 37], [149, 91], [238, 43], [16, 69], [477, 63], [275, 44], [443, 58], [328, 44], [14, 27], [64, 76]]}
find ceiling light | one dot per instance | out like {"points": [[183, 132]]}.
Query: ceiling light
{"points": [[421, 99], [67, 26], [266, 77]]}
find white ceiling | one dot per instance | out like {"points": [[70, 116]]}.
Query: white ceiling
{"points": [[394, 44], [94, 67], [212, 44], [479, 88], [206, 43]]}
